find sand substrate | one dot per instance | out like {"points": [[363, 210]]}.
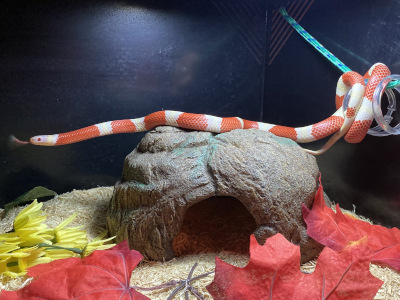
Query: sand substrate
{"points": [[91, 207]]}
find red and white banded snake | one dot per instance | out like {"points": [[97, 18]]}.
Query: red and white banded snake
{"points": [[352, 123]]}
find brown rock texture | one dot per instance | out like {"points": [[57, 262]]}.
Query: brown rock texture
{"points": [[173, 169]]}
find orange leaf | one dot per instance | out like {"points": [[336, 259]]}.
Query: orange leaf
{"points": [[337, 230], [389, 256], [273, 272], [104, 274]]}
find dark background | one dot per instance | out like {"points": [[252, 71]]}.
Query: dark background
{"points": [[68, 64]]}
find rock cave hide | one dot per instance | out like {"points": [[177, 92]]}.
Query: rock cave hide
{"points": [[173, 169]]}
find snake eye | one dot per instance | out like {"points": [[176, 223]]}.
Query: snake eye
{"points": [[39, 140]]}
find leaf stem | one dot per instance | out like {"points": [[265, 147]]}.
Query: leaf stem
{"points": [[336, 286], [75, 250], [272, 284]]}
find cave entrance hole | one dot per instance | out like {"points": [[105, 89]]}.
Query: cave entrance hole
{"points": [[213, 225]]}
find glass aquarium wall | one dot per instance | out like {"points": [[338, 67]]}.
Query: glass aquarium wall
{"points": [[69, 64], [301, 86]]}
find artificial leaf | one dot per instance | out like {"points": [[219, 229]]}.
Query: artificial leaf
{"points": [[35, 193], [344, 275], [389, 256], [337, 230], [273, 272], [105, 274]]}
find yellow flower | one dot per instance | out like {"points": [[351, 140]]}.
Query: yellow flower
{"points": [[29, 229], [67, 241], [19, 249], [31, 242], [98, 244], [36, 257], [28, 238], [9, 238], [71, 235], [15, 263], [22, 259], [5, 248], [30, 216], [3, 266], [73, 242]]}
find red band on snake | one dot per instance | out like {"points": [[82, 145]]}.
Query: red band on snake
{"points": [[352, 123]]}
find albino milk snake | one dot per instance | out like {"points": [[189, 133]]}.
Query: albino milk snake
{"points": [[353, 123]]}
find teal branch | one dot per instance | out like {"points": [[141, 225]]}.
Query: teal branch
{"points": [[321, 49]]}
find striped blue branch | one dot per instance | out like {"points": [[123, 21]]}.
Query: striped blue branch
{"points": [[320, 48]]}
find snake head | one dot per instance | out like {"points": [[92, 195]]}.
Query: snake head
{"points": [[43, 140]]}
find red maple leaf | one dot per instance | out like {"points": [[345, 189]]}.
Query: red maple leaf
{"points": [[337, 230], [273, 272], [104, 274]]}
